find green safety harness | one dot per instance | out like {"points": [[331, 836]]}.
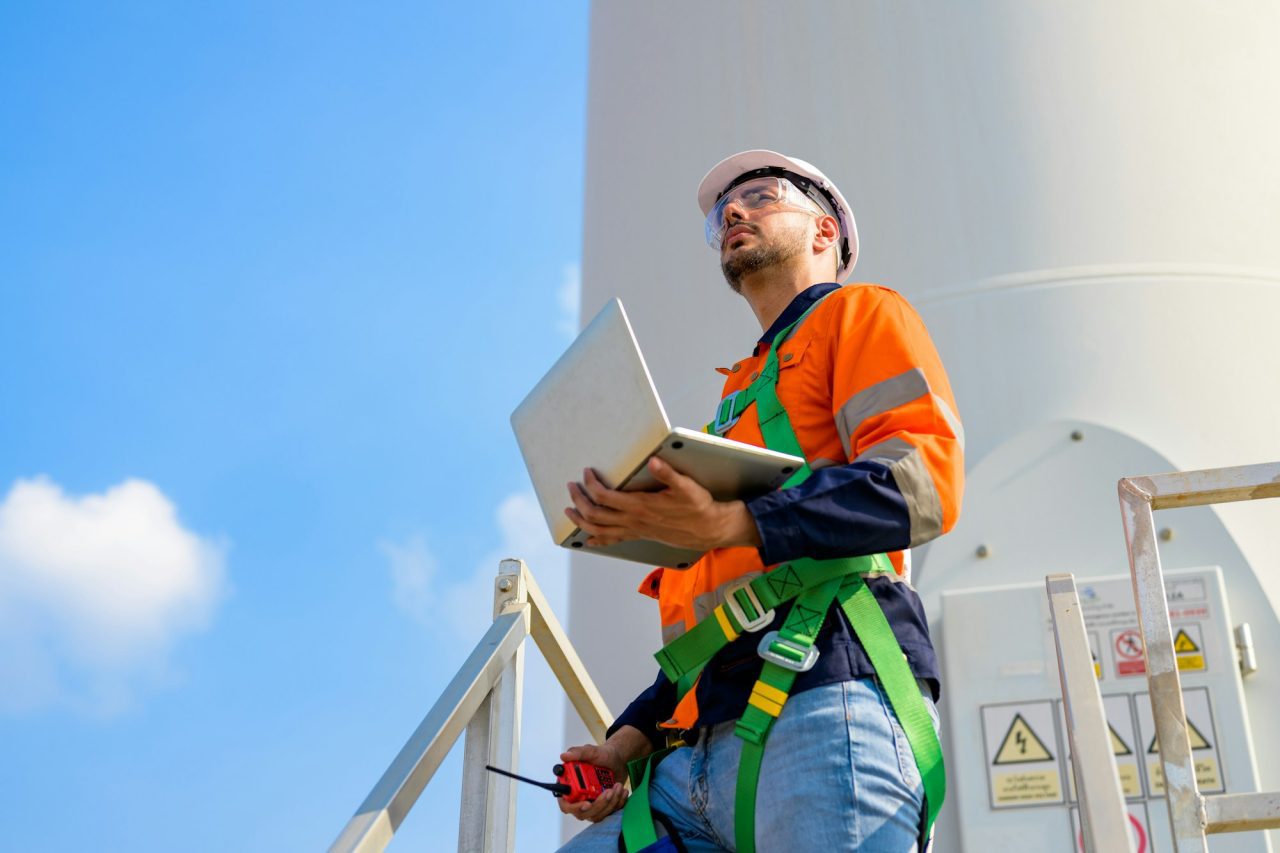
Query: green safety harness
{"points": [[749, 606]]}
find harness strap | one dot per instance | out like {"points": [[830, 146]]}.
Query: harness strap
{"points": [[692, 649], [814, 584], [798, 633], [638, 831]]}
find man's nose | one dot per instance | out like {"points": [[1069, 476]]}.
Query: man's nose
{"points": [[734, 212]]}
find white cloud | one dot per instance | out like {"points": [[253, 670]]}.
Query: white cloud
{"points": [[94, 591], [568, 299], [461, 605], [460, 609]]}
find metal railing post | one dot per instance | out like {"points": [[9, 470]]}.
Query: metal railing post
{"points": [[1103, 815], [484, 697], [487, 817]]}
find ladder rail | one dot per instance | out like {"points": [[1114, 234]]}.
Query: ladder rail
{"points": [[484, 699], [1191, 814], [1103, 815]]}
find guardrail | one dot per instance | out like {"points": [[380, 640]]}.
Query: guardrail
{"points": [[1191, 813], [484, 698], [1103, 817]]}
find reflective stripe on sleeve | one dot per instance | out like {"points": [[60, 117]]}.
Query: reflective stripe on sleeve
{"points": [[879, 398], [670, 632], [924, 507], [887, 395]]}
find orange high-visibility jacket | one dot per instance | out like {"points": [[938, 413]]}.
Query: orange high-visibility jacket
{"points": [[861, 381]]}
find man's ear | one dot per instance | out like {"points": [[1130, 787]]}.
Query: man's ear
{"points": [[826, 235]]}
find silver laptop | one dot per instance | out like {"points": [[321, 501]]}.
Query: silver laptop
{"points": [[597, 408]]}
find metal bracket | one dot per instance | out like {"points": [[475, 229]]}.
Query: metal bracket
{"points": [[731, 602]]}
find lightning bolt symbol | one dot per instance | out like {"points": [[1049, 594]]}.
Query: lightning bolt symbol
{"points": [[1021, 740]]}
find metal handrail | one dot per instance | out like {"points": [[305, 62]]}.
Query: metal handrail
{"points": [[484, 698], [1103, 816], [1191, 814]]}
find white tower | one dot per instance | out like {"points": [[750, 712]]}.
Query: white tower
{"points": [[1082, 200]]}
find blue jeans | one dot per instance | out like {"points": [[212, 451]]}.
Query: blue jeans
{"points": [[838, 774]]}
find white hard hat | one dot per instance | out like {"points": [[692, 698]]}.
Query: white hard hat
{"points": [[759, 162]]}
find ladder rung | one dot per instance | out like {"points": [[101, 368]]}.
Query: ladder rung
{"points": [[1242, 812]]}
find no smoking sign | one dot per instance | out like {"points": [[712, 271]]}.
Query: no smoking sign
{"points": [[1128, 646]]}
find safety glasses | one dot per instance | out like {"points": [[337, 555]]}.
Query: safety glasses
{"points": [[753, 195]]}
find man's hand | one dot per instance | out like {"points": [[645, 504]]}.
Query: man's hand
{"points": [[683, 514], [626, 744]]}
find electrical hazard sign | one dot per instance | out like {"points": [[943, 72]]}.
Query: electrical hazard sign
{"points": [[1188, 647], [1022, 745], [1118, 746], [1198, 740], [1123, 734], [1201, 734]]}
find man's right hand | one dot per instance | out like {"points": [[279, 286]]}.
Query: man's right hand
{"points": [[626, 744]]}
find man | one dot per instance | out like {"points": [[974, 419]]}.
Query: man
{"points": [[796, 733]]}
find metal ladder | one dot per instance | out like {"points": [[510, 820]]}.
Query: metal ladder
{"points": [[484, 698], [1102, 808]]}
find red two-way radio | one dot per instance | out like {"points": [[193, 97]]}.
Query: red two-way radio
{"points": [[575, 780]]}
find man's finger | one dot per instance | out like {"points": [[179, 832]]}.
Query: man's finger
{"points": [[588, 508], [592, 527], [604, 496], [666, 475]]}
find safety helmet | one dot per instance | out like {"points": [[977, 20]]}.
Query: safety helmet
{"points": [[746, 165]]}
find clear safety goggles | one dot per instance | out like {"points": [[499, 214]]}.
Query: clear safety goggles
{"points": [[753, 195]]}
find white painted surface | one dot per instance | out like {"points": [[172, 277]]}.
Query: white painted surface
{"points": [[1082, 200]]}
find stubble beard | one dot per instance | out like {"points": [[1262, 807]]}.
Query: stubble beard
{"points": [[783, 247]]}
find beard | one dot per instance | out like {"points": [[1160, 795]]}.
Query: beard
{"points": [[781, 248]]}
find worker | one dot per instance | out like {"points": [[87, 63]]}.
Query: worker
{"points": [[795, 706]]}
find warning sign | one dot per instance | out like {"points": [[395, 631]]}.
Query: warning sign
{"points": [[1093, 650], [1118, 746], [1200, 731], [1139, 828], [1022, 749], [1189, 648], [1127, 643], [1124, 745], [1198, 740], [1020, 745]]}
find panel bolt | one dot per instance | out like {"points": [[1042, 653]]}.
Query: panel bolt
{"points": [[1077, 435], [983, 552], [1166, 534], [504, 585]]}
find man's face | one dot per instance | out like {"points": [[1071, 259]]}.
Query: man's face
{"points": [[759, 237]]}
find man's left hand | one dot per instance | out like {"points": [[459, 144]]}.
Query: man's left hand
{"points": [[682, 514]]}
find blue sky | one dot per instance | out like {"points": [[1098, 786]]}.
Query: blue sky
{"points": [[272, 278]]}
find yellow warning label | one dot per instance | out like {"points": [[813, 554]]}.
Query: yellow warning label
{"points": [[1207, 778], [1190, 663], [1183, 644], [1198, 741], [1129, 780], [1022, 787], [1118, 746], [1020, 745]]}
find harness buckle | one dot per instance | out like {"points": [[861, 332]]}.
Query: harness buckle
{"points": [[727, 414], [735, 607], [793, 657]]}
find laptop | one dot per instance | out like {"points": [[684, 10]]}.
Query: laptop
{"points": [[597, 408]]}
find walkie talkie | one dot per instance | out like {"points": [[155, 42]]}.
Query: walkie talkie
{"points": [[575, 780]]}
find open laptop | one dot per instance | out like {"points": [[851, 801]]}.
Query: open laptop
{"points": [[597, 408]]}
